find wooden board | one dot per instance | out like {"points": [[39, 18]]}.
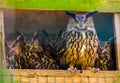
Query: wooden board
{"points": [[117, 37], [64, 76], [2, 47]]}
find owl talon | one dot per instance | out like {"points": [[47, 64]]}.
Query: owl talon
{"points": [[72, 70], [96, 70]]}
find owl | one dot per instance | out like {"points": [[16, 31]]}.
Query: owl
{"points": [[9, 58], [79, 50], [20, 50], [30, 55], [104, 60]]}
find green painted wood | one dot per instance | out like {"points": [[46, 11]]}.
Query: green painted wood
{"points": [[6, 77], [84, 5]]}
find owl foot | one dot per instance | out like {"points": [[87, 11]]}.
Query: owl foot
{"points": [[72, 70]]}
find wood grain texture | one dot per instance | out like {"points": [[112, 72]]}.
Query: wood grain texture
{"points": [[2, 49], [63, 76], [117, 35]]}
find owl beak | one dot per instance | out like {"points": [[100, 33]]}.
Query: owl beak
{"points": [[81, 25]]}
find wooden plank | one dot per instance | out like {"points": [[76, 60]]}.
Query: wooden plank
{"points": [[1, 20], [59, 73], [2, 50], [117, 36], [62, 73], [64, 76]]}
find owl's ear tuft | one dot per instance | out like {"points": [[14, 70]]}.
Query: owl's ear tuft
{"points": [[73, 15], [36, 35], [91, 14]]}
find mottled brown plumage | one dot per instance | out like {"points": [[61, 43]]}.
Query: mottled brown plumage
{"points": [[30, 55], [80, 48], [104, 60]]}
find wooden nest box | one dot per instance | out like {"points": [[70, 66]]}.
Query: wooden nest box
{"points": [[28, 21]]}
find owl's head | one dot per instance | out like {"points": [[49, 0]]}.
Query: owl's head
{"points": [[18, 44], [27, 45], [80, 21], [34, 44]]}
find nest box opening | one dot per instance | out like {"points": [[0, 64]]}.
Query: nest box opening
{"points": [[29, 21]]}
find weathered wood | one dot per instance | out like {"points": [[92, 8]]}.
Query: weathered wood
{"points": [[63, 76], [2, 48], [60, 73], [1, 20], [117, 36]]}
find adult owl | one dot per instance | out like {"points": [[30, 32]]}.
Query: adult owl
{"points": [[81, 42]]}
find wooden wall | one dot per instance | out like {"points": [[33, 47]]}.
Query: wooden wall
{"points": [[117, 35], [28, 21], [2, 48]]}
